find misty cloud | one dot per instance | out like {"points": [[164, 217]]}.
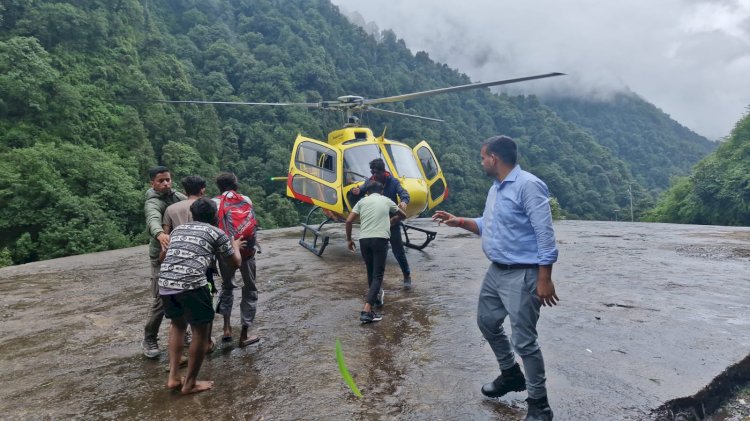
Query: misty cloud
{"points": [[689, 57]]}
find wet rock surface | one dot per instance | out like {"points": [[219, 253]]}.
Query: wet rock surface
{"points": [[649, 313]]}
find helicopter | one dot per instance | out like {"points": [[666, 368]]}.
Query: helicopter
{"points": [[324, 173]]}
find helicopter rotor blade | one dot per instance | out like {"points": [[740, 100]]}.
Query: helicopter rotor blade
{"points": [[382, 111], [274, 104], [406, 97]]}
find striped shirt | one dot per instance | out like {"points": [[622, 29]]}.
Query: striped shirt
{"points": [[191, 249]]}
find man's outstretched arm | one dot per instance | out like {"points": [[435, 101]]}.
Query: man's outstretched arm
{"points": [[443, 217]]}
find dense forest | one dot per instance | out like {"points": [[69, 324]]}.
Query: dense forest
{"points": [[718, 190], [77, 130]]}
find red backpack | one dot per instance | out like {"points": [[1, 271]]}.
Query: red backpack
{"points": [[237, 219]]}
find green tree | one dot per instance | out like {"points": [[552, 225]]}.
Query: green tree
{"points": [[718, 190], [26, 77], [67, 199]]}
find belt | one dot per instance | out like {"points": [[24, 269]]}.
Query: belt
{"points": [[503, 266]]}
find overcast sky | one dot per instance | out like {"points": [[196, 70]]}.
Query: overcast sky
{"points": [[691, 58]]}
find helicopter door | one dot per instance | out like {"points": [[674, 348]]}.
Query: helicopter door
{"points": [[431, 172], [315, 174]]}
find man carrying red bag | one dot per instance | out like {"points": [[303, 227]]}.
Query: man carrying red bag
{"points": [[237, 219]]}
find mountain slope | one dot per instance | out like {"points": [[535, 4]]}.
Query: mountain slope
{"points": [[718, 190], [73, 74], [654, 146]]}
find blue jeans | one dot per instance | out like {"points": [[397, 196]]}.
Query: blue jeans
{"points": [[512, 293]]}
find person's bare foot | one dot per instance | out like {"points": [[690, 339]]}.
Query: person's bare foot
{"points": [[199, 386], [227, 336], [175, 384]]}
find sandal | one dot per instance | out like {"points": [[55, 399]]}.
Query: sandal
{"points": [[249, 341]]}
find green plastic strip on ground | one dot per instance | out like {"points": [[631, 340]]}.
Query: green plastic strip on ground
{"points": [[344, 372]]}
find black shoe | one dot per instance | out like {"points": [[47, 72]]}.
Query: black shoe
{"points": [[510, 380], [539, 410], [407, 282], [369, 317]]}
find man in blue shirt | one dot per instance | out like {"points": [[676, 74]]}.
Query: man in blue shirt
{"points": [[517, 236]]}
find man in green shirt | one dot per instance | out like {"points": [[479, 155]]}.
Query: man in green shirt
{"points": [[158, 198], [374, 212]]}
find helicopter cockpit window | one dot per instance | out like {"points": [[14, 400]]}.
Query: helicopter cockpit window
{"points": [[317, 161], [428, 162], [357, 162], [403, 160]]}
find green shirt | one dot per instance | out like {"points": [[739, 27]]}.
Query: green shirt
{"points": [[374, 216], [154, 208]]}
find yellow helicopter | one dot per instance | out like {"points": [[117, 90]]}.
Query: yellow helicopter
{"points": [[323, 173]]}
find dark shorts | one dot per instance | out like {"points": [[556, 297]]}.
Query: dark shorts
{"points": [[194, 305]]}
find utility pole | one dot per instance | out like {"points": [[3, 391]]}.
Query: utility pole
{"points": [[630, 192]]}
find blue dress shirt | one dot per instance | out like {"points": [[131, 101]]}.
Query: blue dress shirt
{"points": [[516, 226]]}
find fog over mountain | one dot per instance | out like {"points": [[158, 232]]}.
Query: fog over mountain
{"points": [[691, 58]]}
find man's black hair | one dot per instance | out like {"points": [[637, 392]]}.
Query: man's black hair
{"points": [[193, 184], [226, 181], [154, 171], [204, 210], [377, 164], [503, 147], [374, 187]]}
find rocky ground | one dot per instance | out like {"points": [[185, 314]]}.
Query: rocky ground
{"points": [[649, 313]]}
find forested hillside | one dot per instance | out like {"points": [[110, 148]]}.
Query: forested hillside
{"points": [[718, 190], [654, 146], [76, 135]]}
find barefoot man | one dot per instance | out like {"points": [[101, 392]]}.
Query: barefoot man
{"points": [[184, 292]]}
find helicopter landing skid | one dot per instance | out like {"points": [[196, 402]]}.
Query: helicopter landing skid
{"points": [[316, 233], [430, 236]]}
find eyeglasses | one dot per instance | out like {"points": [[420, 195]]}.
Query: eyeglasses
{"points": [[375, 172]]}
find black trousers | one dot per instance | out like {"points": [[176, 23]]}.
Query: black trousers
{"points": [[374, 251]]}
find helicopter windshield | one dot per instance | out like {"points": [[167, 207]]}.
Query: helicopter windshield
{"points": [[403, 160], [357, 162]]}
